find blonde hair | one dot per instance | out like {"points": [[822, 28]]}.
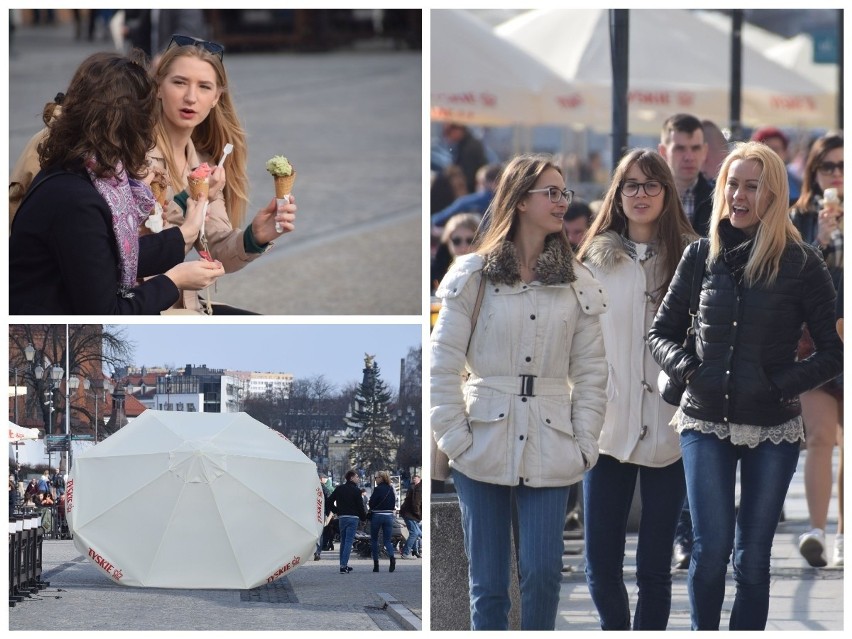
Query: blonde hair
{"points": [[210, 136], [384, 477], [468, 221], [774, 229], [519, 176]]}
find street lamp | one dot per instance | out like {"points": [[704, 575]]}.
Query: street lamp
{"points": [[106, 389], [168, 390], [56, 373]]}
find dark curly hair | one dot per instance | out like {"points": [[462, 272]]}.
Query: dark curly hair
{"points": [[108, 111]]}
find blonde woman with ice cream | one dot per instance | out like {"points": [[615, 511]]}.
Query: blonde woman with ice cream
{"points": [[196, 120]]}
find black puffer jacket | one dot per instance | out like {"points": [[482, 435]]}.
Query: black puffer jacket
{"points": [[745, 370]]}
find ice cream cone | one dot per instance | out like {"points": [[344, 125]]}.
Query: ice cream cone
{"points": [[284, 184], [198, 187]]}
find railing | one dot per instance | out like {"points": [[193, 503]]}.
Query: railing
{"points": [[25, 543]]}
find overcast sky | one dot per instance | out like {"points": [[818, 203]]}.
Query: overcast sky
{"points": [[335, 351]]}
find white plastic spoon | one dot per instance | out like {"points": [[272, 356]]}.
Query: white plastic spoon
{"points": [[225, 153]]}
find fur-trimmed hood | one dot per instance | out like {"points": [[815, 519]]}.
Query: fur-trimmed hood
{"points": [[555, 265], [606, 249]]}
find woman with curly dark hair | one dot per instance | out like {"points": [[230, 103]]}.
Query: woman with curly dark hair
{"points": [[74, 247]]}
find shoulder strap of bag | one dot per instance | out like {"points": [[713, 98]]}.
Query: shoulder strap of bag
{"points": [[475, 315], [698, 275]]}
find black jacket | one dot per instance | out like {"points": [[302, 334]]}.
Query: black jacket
{"points": [[703, 193], [346, 500], [744, 371], [383, 499], [63, 258]]}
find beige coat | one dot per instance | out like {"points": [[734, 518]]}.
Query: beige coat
{"points": [[225, 241], [489, 431]]}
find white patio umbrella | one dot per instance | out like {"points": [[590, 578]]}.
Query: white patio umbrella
{"points": [[195, 500], [678, 63], [19, 433], [478, 78]]}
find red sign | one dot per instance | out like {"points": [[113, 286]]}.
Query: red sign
{"points": [[69, 496], [286, 567], [108, 568]]}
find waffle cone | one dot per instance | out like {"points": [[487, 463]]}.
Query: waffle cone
{"points": [[159, 193], [197, 188], [284, 184]]}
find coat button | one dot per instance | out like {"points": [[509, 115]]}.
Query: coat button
{"points": [[521, 438], [523, 399], [496, 290], [587, 308], [502, 415], [529, 359], [735, 323], [547, 421], [532, 317]]}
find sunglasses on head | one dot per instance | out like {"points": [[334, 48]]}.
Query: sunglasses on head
{"points": [[213, 48]]}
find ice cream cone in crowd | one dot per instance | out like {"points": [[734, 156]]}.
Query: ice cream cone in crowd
{"points": [[284, 184], [159, 185], [198, 182]]}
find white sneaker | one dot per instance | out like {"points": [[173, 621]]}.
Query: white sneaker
{"points": [[837, 559], [812, 547]]}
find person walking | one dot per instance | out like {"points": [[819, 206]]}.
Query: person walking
{"points": [[382, 507], [411, 513], [526, 421], [345, 501], [633, 249], [818, 215], [740, 406]]}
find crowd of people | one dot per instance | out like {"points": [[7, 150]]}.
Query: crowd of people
{"points": [[685, 326], [350, 513], [44, 494]]}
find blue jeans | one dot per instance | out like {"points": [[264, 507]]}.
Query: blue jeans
{"points": [[414, 533], [381, 522], [711, 473], [608, 493], [486, 521], [348, 526]]}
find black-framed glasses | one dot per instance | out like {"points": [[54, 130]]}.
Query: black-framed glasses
{"points": [[458, 241], [555, 194], [651, 188], [827, 168], [188, 41]]}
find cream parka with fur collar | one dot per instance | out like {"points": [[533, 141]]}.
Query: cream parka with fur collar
{"points": [[548, 331], [636, 426]]}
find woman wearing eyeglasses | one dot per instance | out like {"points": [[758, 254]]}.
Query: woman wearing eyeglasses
{"points": [[195, 119], [74, 245], [740, 416], [633, 248], [524, 423], [818, 214]]}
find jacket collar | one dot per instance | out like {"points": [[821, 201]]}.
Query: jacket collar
{"points": [[555, 265]]}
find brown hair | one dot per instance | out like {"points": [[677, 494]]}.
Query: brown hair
{"points": [[108, 113], [210, 136], [519, 176], [672, 223], [810, 184]]}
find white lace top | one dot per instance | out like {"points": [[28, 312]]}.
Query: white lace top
{"points": [[742, 434]]}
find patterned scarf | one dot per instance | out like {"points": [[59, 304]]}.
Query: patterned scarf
{"points": [[639, 251], [131, 202]]}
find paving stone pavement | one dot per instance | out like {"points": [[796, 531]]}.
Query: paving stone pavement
{"points": [[314, 597]]}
